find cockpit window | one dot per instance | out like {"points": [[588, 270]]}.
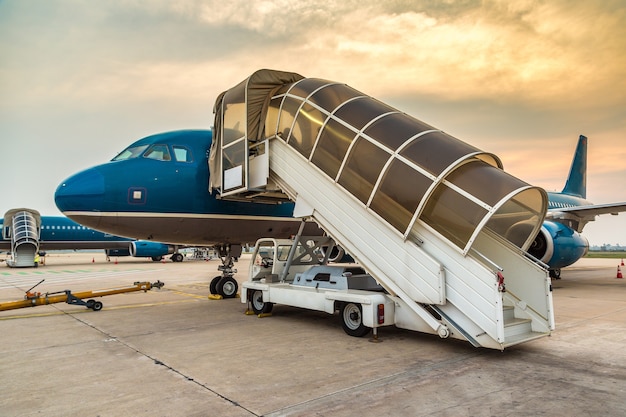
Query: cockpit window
{"points": [[158, 152], [131, 152], [182, 154]]}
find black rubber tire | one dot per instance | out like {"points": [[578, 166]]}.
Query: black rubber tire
{"points": [[177, 257], [213, 284], [156, 258], [352, 320], [258, 305], [97, 306], [90, 303], [227, 287]]}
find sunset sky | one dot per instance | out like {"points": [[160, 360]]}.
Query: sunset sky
{"points": [[80, 80]]}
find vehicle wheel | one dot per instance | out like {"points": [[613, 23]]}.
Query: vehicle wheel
{"points": [[177, 257], [213, 284], [555, 273], [227, 287], [90, 303], [352, 320], [157, 258], [97, 306], [258, 305]]}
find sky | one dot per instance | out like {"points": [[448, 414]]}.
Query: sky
{"points": [[81, 80]]}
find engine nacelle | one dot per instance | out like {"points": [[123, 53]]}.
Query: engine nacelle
{"points": [[144, 248], [558, 246]]}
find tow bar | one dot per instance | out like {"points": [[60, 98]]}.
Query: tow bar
{"points": [[32, 299]]}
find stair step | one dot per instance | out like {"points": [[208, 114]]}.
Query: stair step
{"points": [[516, 326], [525, 337], [509, 313]]}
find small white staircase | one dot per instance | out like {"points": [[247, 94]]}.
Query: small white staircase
{"points": [[22, 227]]}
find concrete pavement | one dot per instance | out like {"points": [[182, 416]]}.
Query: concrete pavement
{"points": [[173, 352]]}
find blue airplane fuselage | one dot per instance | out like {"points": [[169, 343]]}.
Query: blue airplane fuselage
{"points": [[167, 199], [158, 189]]}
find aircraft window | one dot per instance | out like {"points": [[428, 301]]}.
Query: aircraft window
{"points": [[435, 151], [182, 154], [332, 147], [363, 167], [308, 124], [361, 111], [399, 194], [158, 152], [394, 129], [130, 153]]}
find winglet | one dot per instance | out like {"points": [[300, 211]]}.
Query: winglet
{"points": [[576, 183]]}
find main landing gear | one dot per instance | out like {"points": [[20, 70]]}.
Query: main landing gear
{"points": [[225, 285]]}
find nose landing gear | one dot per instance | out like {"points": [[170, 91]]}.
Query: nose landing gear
{"points": [[225, 285]]}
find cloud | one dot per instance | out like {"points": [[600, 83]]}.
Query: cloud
{"points": [[520, 78]]}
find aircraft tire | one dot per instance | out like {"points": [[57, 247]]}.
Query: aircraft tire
{"points": [[227, 287], [352, 320], [258, 305], [213, 284]]}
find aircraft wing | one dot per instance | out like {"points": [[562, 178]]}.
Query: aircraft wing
{"points": [[585, 214], [594, 209]]}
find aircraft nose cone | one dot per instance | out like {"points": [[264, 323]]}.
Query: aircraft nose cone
{"points": [[81, 192]]}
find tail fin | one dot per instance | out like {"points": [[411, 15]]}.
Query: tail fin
{"points": [[576, 183]]}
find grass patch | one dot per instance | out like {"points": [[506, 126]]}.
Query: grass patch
{"points": [[611, 254]]}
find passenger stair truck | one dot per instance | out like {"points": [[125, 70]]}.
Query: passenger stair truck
{"points": [[22, 227], [435, 221]]}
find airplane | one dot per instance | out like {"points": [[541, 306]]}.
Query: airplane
{"points": [[560, 242], [167, 198], [62, 233], [157, 189]]}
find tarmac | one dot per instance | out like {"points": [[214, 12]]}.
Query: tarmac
{"points": [[173, 352]]}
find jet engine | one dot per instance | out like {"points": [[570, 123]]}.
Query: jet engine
{"points": [[142, 248], [558, 246]]}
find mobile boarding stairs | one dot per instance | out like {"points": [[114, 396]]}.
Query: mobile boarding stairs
{"points": [[22, 227], [435, 221]]}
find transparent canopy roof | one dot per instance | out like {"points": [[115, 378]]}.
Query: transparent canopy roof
{"points": [[400, 168]]}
